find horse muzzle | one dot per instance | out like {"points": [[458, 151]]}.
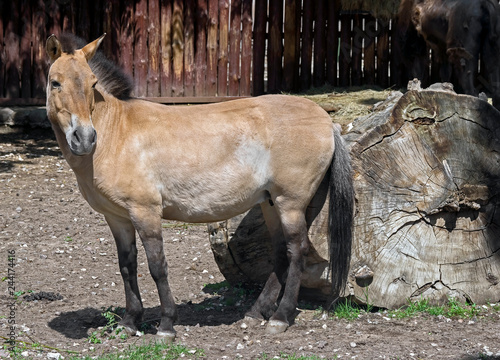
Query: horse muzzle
{"points": [[81, 139]]}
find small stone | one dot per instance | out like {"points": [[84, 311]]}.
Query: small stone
{"points": [[56, 356], [244, 326], [322, 344], [240, 346], [353, 344]]}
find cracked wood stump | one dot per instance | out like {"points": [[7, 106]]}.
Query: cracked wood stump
{"points": [[427, 223]]}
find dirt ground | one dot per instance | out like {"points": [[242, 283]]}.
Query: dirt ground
{"points": [[61, 245]]}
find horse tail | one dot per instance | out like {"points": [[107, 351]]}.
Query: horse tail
{"points": [[341, 214]]}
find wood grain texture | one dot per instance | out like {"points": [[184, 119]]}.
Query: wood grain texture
{"points": [[427, 221], [154, 38], [212, 50], [259, 47], [166, 50]]}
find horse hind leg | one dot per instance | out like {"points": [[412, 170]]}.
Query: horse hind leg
{"points": [[124, 235], [265, 305], [297, 246]]}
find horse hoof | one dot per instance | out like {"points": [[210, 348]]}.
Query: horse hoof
{"points": [[276, 327], [166, 336], [249, 321], [130, 331]]}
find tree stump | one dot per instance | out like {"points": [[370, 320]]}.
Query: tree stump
{"points": [[427, 223]]}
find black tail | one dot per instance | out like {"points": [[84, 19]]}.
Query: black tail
{"points": [[341, 213]]}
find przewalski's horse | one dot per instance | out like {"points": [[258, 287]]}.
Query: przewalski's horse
{"points": [[458, 32], [137, 162]]}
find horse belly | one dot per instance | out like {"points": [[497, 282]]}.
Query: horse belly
{"points": [[206, 194], [208, 204]]}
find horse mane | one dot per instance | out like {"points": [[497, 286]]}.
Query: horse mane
{"points": [[111, 77]]}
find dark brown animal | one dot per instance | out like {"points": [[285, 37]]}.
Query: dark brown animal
{"points": [[459, 32]]}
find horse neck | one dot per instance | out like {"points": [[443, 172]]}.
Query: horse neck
{"points": [[108, 117]]}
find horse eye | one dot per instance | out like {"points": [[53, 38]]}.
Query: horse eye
{"points": [[55, 84]]}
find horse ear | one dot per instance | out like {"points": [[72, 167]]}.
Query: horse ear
{"points": [[90, 49], [53, 48]]}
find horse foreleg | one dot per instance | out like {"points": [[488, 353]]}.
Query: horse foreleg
{"points": [[149, 229], [265, 305], [297, 244], [124, 234]]}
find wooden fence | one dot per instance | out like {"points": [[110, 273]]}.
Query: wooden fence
{"points": [[201, 48]]}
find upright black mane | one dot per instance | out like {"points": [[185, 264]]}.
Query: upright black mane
{"points": [[110, 76]]}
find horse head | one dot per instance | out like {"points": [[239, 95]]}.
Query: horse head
{"points": [[70, 94]]}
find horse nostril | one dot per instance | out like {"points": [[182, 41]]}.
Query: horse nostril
{"points": [[94, 136], [76, 136]]}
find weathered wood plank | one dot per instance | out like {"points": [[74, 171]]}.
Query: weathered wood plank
{"points": [[55, 18], [383, 54], [369, 55], [345, 51], [307, 45], [275, 46], [212, 48], [291, 51], [40, 61], [154, 37], [68, 15], [201, 48], [332, 41], [83, 22], [319, 43], [96, 13], [12, 47], [189, 65], [397, 66], [246, 49], [357, 50], [223, 47], [141, 48], [178, 48], [259, 47], [166, 49], [107, 27], [126, 59], [26, 58], [234, 48]]}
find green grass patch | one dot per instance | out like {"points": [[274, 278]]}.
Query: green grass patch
{"points": [[284, 356], [150, 351], [347, 310], [452, 309]]}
